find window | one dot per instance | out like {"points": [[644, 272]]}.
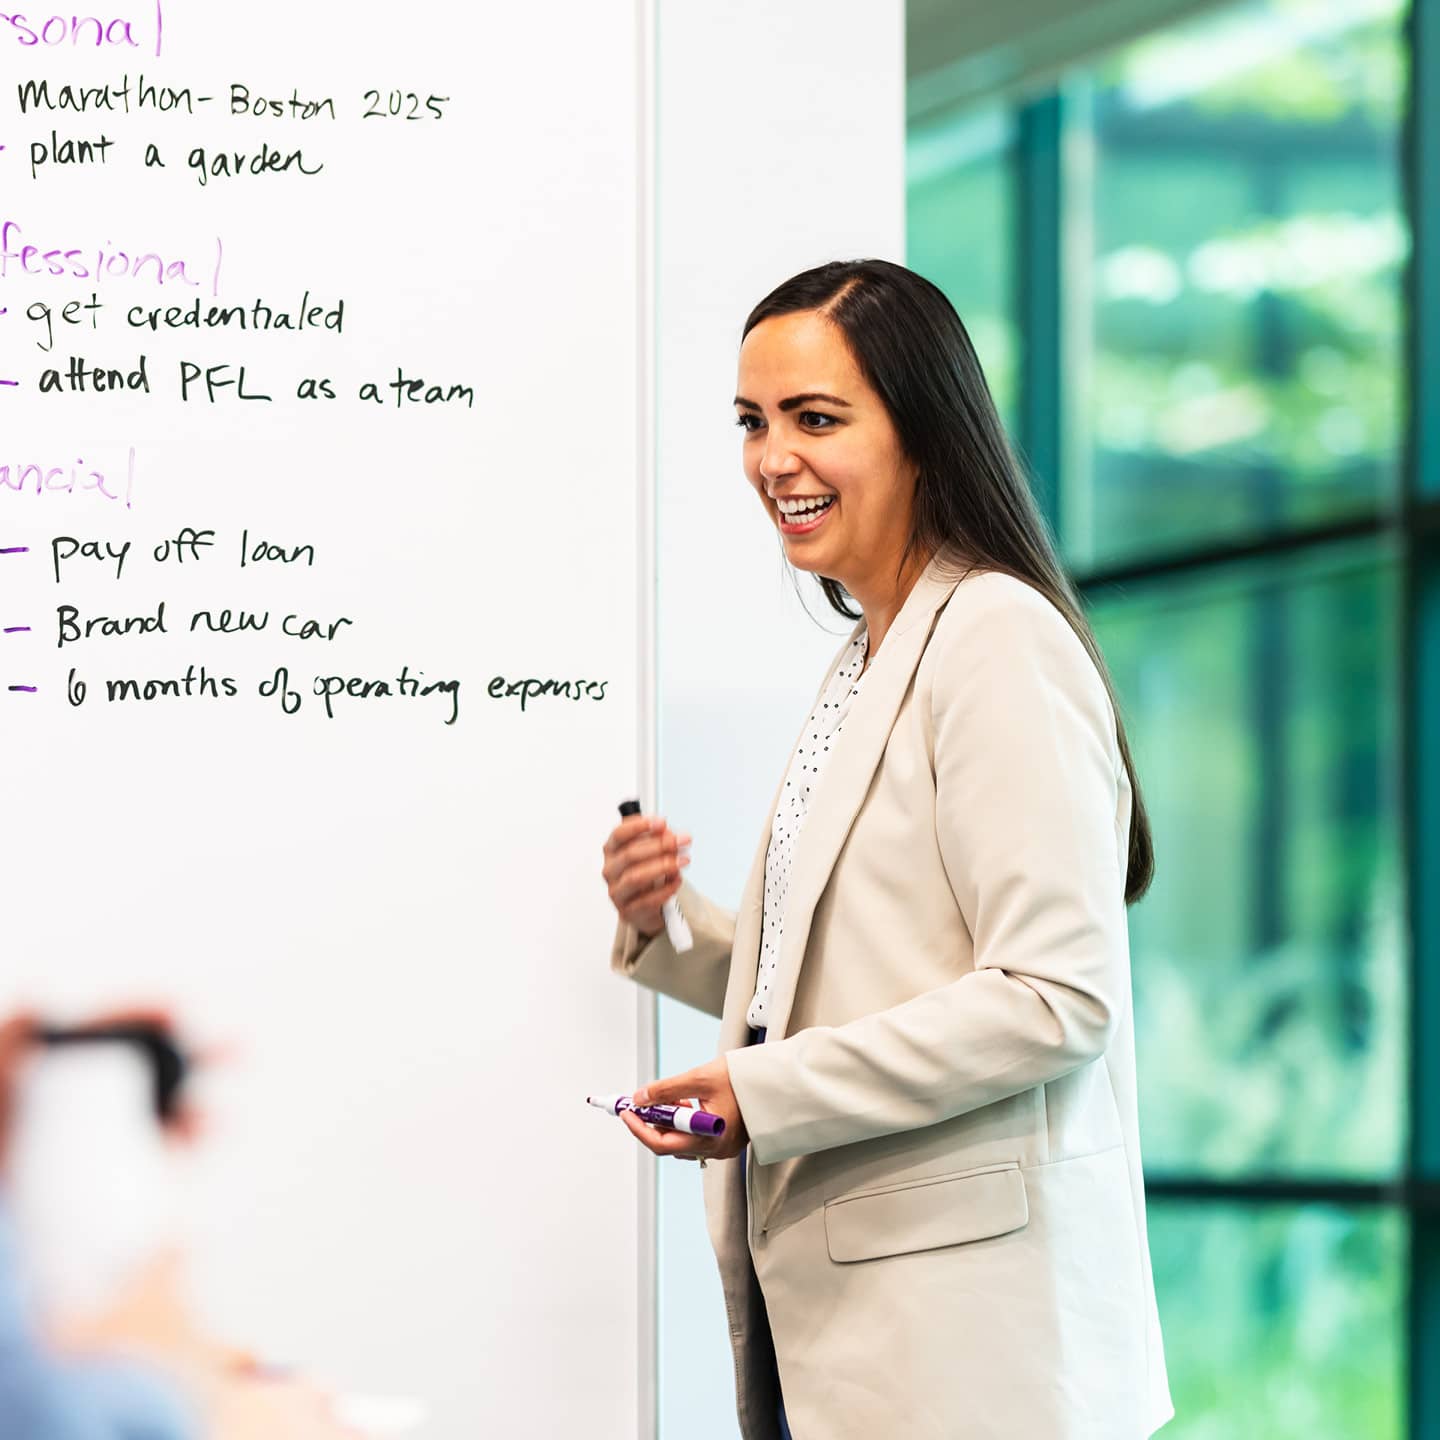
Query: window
{"points": [[1245, 300], [959, 213], [1216, 405], [1269, 964]]}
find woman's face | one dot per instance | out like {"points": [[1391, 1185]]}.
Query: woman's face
{"points": [[816, 432]]}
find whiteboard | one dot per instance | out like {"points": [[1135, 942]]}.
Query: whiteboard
{"points": [[269, 746]]}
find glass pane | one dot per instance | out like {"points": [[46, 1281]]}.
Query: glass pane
{"points": [[960, 209], [1268, 955], [1243, 332], [1281, 1322]]}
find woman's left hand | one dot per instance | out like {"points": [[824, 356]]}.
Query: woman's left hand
{"points": [[710, 1085]]}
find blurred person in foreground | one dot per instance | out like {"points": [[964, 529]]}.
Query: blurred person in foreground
{"points": [[140, 1369]]}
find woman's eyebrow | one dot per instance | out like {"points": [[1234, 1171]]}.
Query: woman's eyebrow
{"points": [[795, 400]]}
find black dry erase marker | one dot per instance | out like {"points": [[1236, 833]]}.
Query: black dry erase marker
{"points": [[167, 1063], [675, 926]]}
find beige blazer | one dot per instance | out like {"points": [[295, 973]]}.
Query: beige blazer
{"points": [[945, 1208]]}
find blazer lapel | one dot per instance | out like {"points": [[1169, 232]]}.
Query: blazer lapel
{"points": [[847, 780]]}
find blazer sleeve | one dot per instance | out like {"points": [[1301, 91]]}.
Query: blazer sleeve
{"points": [[699, 976], [1027, 770]]}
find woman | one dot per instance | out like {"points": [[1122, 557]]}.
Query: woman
{"points": [[927, 1205]]}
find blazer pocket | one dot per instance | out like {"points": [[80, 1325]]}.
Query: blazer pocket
{"points": [[927, 1214]]}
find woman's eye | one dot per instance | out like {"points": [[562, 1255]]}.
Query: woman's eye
{"points": [[743, 420]]}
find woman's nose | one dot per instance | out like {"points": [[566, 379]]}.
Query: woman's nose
{"points": [[777, 461]]}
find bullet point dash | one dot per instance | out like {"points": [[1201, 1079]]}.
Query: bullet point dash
{"points": [[14, 550], [17, 629], [29, 689]]}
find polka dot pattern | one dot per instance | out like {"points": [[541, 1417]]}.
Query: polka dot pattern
{"points": [[816, 746]]}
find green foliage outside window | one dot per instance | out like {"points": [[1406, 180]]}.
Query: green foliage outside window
{"points": [[1249, 240]]}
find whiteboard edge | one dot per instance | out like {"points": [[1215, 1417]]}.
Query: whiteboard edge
{"points": [[647, 760]]}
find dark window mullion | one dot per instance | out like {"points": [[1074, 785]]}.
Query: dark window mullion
{"points": [[1312, 540], [1297, 1190], [1420, 691], [1422, 278], [1036, 302], [1421, 784]]}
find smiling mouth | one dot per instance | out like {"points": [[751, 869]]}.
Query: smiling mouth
{"points": [[802, 522]]}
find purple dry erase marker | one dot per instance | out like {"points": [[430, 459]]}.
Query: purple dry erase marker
{"points": [[667, 1117]]}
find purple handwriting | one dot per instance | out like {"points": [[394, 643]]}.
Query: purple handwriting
{"points": [[97, 31], [70, 479], [99, 263]]}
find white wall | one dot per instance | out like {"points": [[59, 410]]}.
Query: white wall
{"points": [[780, 145]]}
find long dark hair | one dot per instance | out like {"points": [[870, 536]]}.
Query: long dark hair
{"points": [[972, 493]]}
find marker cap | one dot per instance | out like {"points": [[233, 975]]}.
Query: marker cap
{"points": [[698, 1122]]}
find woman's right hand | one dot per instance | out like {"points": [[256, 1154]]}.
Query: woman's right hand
{"points": [[643, 861]]}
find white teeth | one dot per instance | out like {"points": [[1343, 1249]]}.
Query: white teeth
{"points": [[800, 507]]}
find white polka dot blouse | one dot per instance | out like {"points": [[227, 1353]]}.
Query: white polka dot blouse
{"points": [[801, 780]]}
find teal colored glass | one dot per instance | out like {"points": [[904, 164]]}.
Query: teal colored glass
{"points": [[1281, 1322], [959, 214], [1237, 346], [1268, 956]]}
